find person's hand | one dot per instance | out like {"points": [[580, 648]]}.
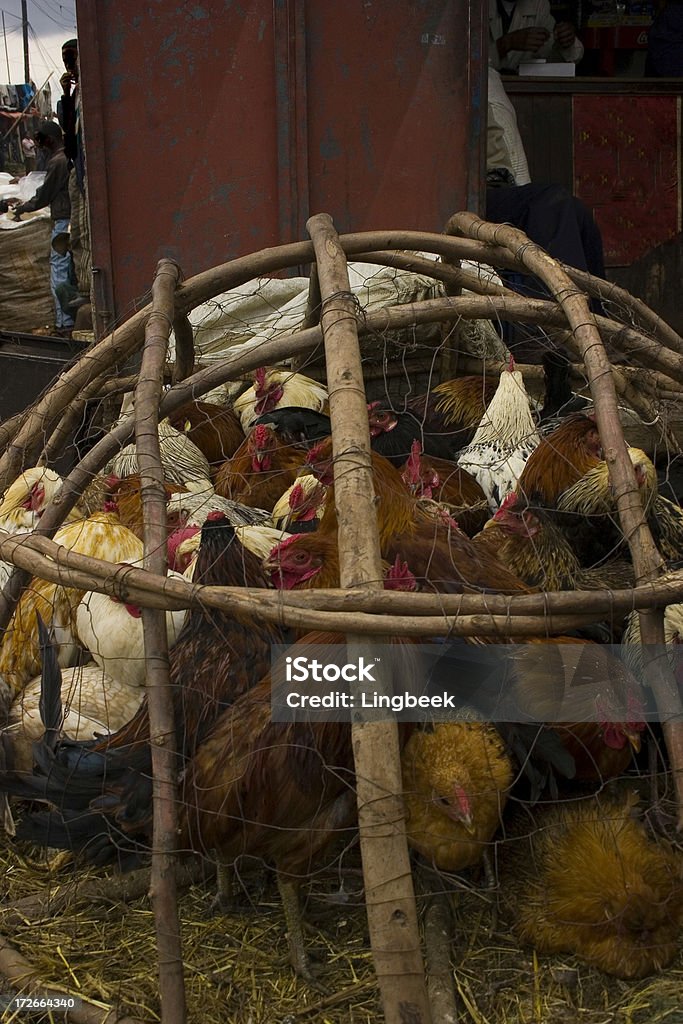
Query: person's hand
{"points": [[527, 39], [66, 82], [564, 34]]}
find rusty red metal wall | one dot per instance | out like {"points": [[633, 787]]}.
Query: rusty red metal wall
{"points": [[214, 129]]}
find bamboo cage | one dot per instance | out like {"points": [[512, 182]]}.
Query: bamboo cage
{"points": [[339, 342]]}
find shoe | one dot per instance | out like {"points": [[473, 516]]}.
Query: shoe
{"points": [[63, 332]]}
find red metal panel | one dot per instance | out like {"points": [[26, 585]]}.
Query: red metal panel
{"points": [[214, 129], [629, 176]]}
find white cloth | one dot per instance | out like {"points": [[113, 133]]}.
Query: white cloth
{"points": [[528, 14], [504, 143]]}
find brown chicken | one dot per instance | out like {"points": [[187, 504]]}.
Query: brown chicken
{"points": [[438, 552], [261, 470], [533, 547], [123, 496], [560, 460], [589, 881], [214, 429], [456, 778], [444, 482], [587, 512], [586, 696]]}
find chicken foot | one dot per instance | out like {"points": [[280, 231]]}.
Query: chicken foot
{"points": [[298, 957]]}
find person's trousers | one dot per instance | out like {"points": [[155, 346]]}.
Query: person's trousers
{"points": [[61, 272]]}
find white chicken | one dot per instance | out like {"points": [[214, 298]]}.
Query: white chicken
{"points": [[275, 389], [112, 632], [93, 704], [192, 507], [24, 502], [504, 440], [181, 459], [99, 536]]}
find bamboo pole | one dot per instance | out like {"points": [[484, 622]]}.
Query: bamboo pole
{"points": [[389, 893], [647, 561], [410, 613], [162, 731]]}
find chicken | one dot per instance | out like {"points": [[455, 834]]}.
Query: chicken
{"points": [[124, 497], [447, 484], [104, 790], [261, 470], [304, 561], [25, 499], [585, 695], [439, 554], [560, 460], [24, 502], [590, 882], [504, 440], [301, 506], [588, 514], [275, 389], [181, 460], [215, 431], [632, 647], [531, 545], [294, 425], [99, 536], [456, 778], [191, 508], [393, 433], [93, 704], [454, 408], [112, 632]]}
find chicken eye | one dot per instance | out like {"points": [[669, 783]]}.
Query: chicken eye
{"points": [[300, 556]]}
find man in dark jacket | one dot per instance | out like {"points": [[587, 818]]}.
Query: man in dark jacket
{"points": [[54, 192]]}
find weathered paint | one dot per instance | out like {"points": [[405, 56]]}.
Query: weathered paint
{"points": [[217, 128]]}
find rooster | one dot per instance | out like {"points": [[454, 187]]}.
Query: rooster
{"points": [[448, 484], [438, 552], [590, 882], [454, 408], [260, 471], [275, 389], [215, 431], [191, 508], [99, 536], [24, 502], [504, 440], [560, 460], [456, 778]]}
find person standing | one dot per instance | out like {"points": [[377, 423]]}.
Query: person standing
{"points": [[70, 118], [54, 192], [522, 30]]}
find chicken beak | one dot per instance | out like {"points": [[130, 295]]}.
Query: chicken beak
{"points": [[633, 736]]}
